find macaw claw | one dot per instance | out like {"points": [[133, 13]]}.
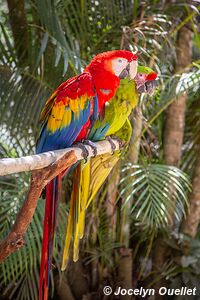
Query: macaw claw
{"points": [[85, 152], [113, 146], [92, 145]]}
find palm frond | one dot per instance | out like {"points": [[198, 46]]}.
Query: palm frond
{"points": [[167, 92], [150, 187]]}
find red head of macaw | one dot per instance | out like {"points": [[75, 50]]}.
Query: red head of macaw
{"points": [[108, 68]]}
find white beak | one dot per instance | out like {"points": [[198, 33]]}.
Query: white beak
{"points": [[133, 69]]}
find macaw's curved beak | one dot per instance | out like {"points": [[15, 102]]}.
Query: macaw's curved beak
{"points": [[148, 87], [130, 70], [146, 83]]}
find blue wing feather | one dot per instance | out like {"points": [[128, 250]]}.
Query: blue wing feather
{"points": [[97, 134], [64, 137]]}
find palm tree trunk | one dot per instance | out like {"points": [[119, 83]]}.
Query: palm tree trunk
{"points": [[134, 149], [126, 259], [111, 199], [191, 222], [175, 117], [19, 28], [174, 132]]}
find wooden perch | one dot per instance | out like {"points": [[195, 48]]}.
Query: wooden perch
{"points": [[38, 161], [44, 168]]}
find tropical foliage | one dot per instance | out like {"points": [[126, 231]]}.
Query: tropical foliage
{"points": [[58, 39]]}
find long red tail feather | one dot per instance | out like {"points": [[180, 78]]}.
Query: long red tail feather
{"points": [[50, 218]]}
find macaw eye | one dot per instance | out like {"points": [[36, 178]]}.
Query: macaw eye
{"points": [[120, 60], [140, 75]]}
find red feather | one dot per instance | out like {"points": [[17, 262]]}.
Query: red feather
{"points": [[76, 87], [151, 76], [51, 207], [43, 288]]}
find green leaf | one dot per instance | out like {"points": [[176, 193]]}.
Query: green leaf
{"points": [[155, 189]]}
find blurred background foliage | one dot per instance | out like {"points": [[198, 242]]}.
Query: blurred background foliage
{"points": [[139, 230]]}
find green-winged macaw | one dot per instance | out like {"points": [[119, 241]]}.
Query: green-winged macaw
{"points": [[90, 176]]}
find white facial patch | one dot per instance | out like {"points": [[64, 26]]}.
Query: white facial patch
{"points": [[119, 64]]}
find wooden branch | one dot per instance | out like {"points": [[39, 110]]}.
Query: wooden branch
{"points": [[34, 162], [53, 163], [39, 180]]}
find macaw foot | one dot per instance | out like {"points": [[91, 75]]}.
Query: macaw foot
{"points": [[113, 146], [85, 152], [92, 145]]}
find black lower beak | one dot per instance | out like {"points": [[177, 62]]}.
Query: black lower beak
{"points": [[125, 72], [128, 68], [148, 87], [142, 89]]}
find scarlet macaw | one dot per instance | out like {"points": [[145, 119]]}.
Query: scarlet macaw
{"points": [[90, 176], [68, 116]]}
